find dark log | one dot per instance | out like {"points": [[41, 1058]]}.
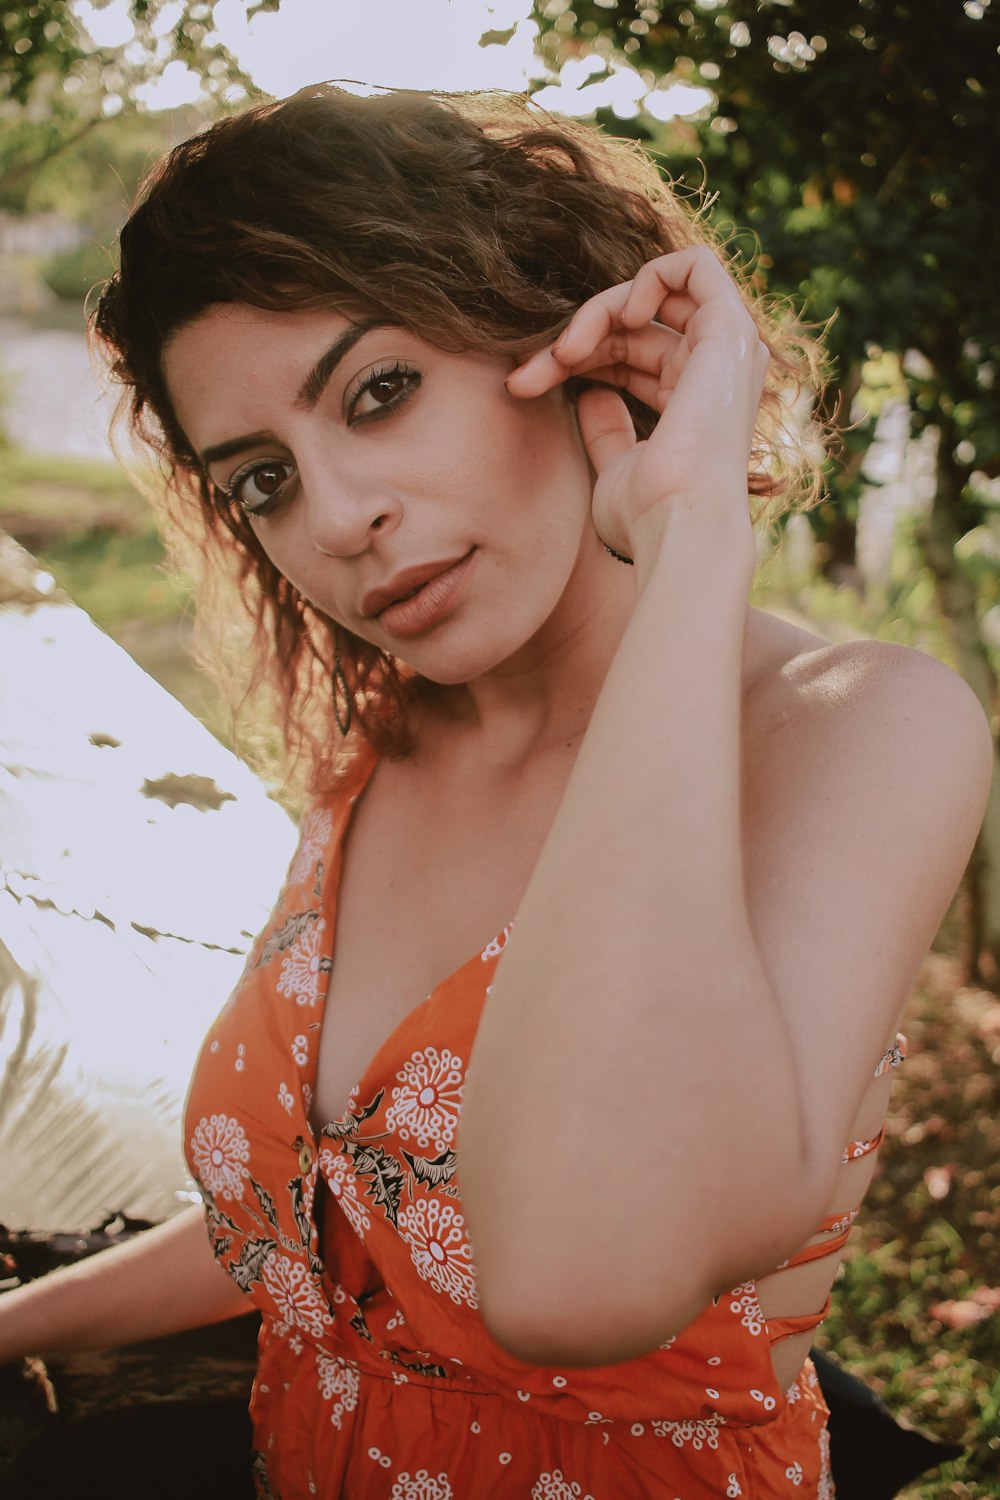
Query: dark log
{"points": [[157, 1419]]}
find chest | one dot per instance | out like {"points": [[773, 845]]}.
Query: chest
{"points": [[426, 882]]}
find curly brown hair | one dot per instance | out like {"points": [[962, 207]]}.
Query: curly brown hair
{"points": [[476, 221]]}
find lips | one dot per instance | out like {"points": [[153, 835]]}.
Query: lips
{"points": [[404, 584]]}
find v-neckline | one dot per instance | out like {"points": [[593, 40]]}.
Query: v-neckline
{"points": [[357, 788]]}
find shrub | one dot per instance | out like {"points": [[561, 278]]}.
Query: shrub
{"points": [[72, 273]]}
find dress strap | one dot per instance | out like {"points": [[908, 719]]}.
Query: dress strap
{"points": [[786, 1328], [823, 1248], [855, 1149]]}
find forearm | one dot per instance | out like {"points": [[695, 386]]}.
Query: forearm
{"points": [[160, 1282], [630, 1013]]}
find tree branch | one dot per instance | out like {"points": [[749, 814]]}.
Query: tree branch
{"points": [[25, 168]]}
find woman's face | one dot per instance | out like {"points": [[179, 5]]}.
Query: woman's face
{"points": [[372, 464]]}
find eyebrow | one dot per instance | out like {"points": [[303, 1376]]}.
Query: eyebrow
{"points": [[318, 378], [308, 393]]}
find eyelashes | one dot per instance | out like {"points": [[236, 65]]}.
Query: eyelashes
{"points": [[258, 486], [382, 389], [259, 474]]}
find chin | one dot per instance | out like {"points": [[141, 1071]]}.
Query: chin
{"points": [[455, 668]]}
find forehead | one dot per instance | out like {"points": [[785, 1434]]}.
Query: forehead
{"points": [[233, 359], [234, 330]]}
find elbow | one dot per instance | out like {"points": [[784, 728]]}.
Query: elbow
{"points": [[583, 1304], [565, 1318], [579, 1335]]}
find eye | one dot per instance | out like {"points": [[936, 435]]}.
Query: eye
{"points": [[381, 390], [257, 486]]}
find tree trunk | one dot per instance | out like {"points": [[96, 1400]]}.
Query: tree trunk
{"points": [[957, 600], [840, 564]]}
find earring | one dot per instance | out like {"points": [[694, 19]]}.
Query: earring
{"points": [[343, 701]]}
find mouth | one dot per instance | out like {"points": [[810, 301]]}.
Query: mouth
{"points": [[406, 584], [420, 607]]}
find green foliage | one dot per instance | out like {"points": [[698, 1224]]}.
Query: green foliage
{"points": [[92, 180], [858, 142], [44, 41], [97, 537], [72, 273], [56, 85], [36, 40]]}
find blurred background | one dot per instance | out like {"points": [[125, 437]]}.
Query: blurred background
{"points": [[847, 152]]}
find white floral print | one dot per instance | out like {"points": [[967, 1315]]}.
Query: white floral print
{"points": [[295, 1295], [220, 1151], [767, 1402], [744, 1301], [314, 834], [300, 1049], [794, 1473], [422, 1486], [285, 1097], [840, 1225], [698, 1435], [825, 1489], [555, 1487], [435, 1233], [301, 969], [427, 1101], [733, 1489], [338, 1384], [496, 945], [336, 1170]]}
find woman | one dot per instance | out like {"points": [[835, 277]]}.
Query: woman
{"points": [[434, 372]]}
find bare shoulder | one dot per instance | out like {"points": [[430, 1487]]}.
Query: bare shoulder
{"points": [[803, 678], [875, 711]]}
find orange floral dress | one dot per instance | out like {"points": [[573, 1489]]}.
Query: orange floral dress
{"points": [[376, 1377]]}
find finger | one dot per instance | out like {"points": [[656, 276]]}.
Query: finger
{"points": [[673, 287], [671, 290], [605, 426], [644, 351], [645, 388], [604, 316]]}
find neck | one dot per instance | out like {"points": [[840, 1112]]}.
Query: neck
{"points": [[541, 699]]}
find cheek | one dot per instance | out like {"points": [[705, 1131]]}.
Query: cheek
{"points": [[309, 573]]}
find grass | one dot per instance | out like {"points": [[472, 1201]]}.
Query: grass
{"points": [[96, 535], [925, 1255], [911, 1312]]}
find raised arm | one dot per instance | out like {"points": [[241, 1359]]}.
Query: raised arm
{"points": [[734, 896], [160, 1282]]}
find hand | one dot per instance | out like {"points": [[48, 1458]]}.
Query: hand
{"points": [[680, 338]]}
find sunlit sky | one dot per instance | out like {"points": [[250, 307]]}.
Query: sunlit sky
{"points": [[393, 44]]}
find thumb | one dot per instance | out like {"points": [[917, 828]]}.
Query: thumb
{"points": [[605, 425]]}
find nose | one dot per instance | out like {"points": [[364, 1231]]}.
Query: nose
{"points": [[343, 511]]}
